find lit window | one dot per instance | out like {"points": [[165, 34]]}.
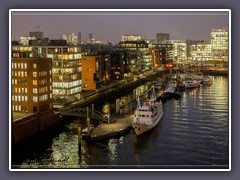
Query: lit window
{"points": [[22, 73], [35, 90], [34, 74], [34, 66], [35, 82], [35, 98]]}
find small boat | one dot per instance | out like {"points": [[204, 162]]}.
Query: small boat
{"points": [[207, 81], [147, 115], [180, 87], [192, 83], [171, 92]]}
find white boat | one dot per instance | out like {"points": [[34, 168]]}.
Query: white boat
{"points": [[147, 115], [192, 83], [207, 81]]}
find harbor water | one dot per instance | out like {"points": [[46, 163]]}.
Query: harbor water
{"points": [[192, 134]]}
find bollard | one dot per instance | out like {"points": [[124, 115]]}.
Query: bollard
{"points": [[92, 109], [79, 139], [88, 122]]}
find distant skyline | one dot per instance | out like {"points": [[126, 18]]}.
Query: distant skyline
{"points": [[110, 25]]}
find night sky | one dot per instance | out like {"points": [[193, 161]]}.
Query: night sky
{"points": [[109, 26]]}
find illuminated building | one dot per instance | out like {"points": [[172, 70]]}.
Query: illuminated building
{"points": [[166, 53], [24, 40], [31, 93], [91, 72], [105, 74], [131, 38], [199, 51], [31, 85], [155, 57], [219, 41], [71, 38], [21, 51], [117, 65], [161, 37], [142, 48], [179, 50], [66, 66], [93, 41], [66, 71]]}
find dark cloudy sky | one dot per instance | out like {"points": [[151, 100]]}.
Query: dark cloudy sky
{"points": [[109, 26]]}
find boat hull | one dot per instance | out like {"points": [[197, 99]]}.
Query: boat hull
{"points": [[190, 85]]}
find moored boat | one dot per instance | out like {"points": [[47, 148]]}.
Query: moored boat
{"points": [[207, 81], [192, 83], [147, 115]]}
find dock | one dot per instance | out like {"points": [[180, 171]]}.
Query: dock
{"points": [[120, 126]]}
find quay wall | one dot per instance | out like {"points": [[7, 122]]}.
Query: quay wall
{"points": [[27, 127], [112, 92]]}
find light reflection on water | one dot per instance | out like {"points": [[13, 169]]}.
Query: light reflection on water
{"points": [[193, 131]]}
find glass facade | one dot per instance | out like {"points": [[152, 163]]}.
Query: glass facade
{"points": [[201, 52], [219, 41]]}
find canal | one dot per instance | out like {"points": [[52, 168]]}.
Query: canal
{"points": [[193, 134]]}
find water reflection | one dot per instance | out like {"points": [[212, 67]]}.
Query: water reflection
{"points": [[193, 131]]}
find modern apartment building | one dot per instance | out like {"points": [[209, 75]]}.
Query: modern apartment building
{"points": [[219, 41], [31, 93], [179, 50], [66, 71], [91, 72], [166, 52], [31, 85], [200, 51], [142, 48]]}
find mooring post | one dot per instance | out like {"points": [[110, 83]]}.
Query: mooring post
{"points": [[92, 109], [88, 122], [79, 138]]}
